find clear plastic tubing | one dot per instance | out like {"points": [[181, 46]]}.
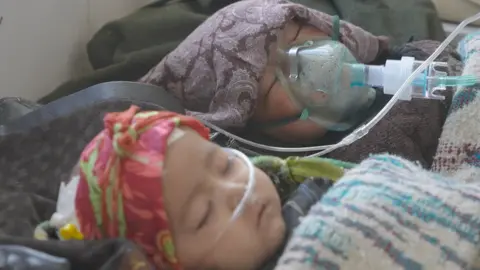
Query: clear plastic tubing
{"points": [[391, 76]]}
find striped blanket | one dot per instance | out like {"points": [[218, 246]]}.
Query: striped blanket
{"points": [[389, 213]]}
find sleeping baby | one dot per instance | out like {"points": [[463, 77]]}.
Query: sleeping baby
{"points": [[154, 178], [225, 71]]}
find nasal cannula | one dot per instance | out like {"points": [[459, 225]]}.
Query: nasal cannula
{"points": [[413, 79]]}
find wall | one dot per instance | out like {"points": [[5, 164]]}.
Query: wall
{"points": [[42, 42]]}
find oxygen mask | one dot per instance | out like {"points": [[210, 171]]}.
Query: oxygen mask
{"points": [[318, 76]]}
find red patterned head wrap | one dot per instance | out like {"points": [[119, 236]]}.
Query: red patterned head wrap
{"points": [[120, 188]]}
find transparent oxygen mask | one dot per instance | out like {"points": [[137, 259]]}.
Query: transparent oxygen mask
{"points": [[317, 76], [64, 219]]}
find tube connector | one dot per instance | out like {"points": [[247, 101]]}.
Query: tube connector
{"points": [[395, 73], [391, 76]]}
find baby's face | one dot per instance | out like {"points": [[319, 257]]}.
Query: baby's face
{"points": [[203, 184]]}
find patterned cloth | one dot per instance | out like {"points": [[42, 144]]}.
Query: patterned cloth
{"points": [[458, 151], [388, 213], [215, 71], [122, 197]]}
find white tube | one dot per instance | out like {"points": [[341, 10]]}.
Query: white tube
{"points": [[267, 147], [248, 190], [396, 72], [250, 185], [375, 76]]}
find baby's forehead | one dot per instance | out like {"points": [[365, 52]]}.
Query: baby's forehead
{"points": [[188, 143], [175, 135]]}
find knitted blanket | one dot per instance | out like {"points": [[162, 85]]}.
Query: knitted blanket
{"points": [[458, 153], [389, 213]]}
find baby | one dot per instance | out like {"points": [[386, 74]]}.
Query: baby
{"points": [[225, 71], [156, 179]]}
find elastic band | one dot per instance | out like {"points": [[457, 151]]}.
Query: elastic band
{"points": [[305, 114]]}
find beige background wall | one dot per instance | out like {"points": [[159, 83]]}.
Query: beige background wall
{"points": [[42, 42]]}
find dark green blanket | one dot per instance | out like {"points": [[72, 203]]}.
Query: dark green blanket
{"points": [[126, 49]]}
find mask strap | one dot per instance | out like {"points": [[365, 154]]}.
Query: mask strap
{"points": [[336, 28], [304, 115]]}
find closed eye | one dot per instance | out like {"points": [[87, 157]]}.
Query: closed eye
{"points": [[228, 164], [205, 216]]}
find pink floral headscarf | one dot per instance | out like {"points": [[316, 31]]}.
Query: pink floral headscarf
{"points": [[216, 70]]}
